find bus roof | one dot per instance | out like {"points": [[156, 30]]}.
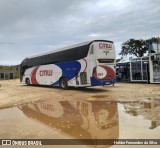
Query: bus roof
{"points": [[68, 47]]}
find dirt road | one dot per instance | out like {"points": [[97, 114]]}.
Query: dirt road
{"points": [[123, 111], [12, 93]]}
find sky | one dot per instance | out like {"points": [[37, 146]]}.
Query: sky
{"points": [[30, 27]]}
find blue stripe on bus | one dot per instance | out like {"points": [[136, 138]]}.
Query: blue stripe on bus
{"points": [[96, 82], [69, 70]]}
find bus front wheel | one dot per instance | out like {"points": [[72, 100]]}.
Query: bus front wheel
{"points": [[63, 83], [28, 81]]}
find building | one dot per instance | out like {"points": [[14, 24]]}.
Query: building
{"points": [[9, 72], [141, 69], [154, 62]]}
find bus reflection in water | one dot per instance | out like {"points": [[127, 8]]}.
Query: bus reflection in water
{"points": [[78, 119]]}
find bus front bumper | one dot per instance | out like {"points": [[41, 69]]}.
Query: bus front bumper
{"points": [[97, 82]]}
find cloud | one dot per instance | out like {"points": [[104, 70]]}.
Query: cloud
{"points": [[28, 27]]}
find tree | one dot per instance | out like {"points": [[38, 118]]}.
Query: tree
{"points": [[134, 47], [154, 39]]}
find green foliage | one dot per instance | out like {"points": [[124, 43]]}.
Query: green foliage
{"points": [[154, 39], [134, 47], [137, 47]]}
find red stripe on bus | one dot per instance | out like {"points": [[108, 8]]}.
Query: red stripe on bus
{"points": [[33, 78]]}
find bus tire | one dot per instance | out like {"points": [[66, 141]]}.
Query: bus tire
{"points": [[28, 81], [63, 83]]}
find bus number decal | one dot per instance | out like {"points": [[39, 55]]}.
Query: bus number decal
{"points": [[99, 74]]}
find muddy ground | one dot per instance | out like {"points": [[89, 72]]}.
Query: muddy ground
{"points": [[12, 93], [123, 111]]}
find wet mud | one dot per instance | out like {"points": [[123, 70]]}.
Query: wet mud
{"points": [[80, 115]]}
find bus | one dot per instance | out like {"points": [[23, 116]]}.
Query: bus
{"points": [[86, 64]]}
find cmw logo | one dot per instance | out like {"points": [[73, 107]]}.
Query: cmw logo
{"points": [[46, 73]]}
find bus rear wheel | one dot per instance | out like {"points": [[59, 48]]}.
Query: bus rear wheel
{"points": [[63, 83], [28, 81]]}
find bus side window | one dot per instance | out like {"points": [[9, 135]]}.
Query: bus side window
{"points": [[92, 50]]}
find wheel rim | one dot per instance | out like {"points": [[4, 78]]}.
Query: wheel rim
{"points": [[63, 84], [28, 81]]}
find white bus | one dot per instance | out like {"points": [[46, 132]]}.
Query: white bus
{"points": [[87, 64]]}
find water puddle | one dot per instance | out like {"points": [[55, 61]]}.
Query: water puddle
{"points": [[82, 120]]}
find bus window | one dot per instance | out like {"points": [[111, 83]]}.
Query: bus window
{"points": [[92, 50], [106, 60]]}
